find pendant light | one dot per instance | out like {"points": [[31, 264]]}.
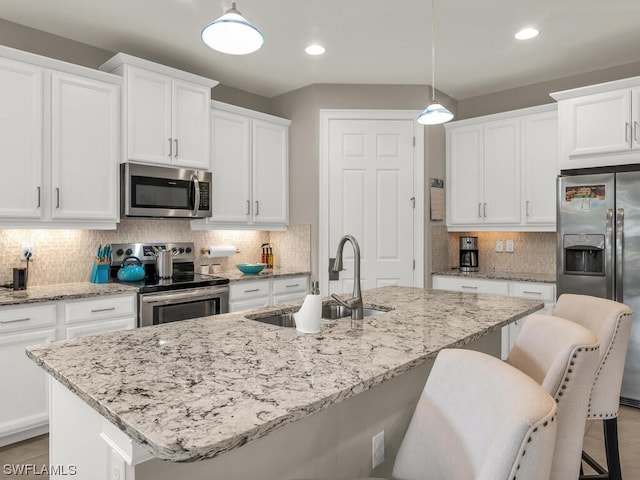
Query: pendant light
{"points": [[232, 34], [434, 113]]}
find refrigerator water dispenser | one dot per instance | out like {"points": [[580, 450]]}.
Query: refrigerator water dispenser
{"points": [[584, 254]]}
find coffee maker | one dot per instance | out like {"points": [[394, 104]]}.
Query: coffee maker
{"points": [[468, 254]]}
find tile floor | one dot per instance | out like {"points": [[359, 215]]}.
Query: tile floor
{"points": [[35, 451]]}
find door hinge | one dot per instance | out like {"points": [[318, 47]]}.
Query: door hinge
{"points": [[414, 264], [413, 202], [414, 141]]}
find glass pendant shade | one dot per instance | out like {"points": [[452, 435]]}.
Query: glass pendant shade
{"points": [[434, 114], [232, 34]]}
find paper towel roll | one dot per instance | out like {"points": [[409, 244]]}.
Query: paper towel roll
{"points": [[220, 251]]}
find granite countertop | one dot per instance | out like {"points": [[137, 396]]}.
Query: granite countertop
{"points": [[64, 291], [238, 276], [194, 389], [510, 276]]}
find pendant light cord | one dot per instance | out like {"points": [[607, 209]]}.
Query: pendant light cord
{"points": [[433, 50]]}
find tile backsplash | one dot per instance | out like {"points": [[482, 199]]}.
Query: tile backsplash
{"points": [[66, 256], [534, 252]]}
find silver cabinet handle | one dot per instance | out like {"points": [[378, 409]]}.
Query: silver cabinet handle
{"points": [[39, 200], [484, 211], [469, 287], [291, 286], [248, 207], [530, 292], [480, 210], [257, 208], [57, 197], [176, 140], [253, 290], [527, 208], [635, 131], [15, 320], [170, 147], [627, 127], [97, 310]]}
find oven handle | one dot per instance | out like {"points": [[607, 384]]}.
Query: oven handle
{"points": [[190, 295]]}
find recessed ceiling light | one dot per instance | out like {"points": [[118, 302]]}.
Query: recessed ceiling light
{"points": [[315, 50], [527, 33]]}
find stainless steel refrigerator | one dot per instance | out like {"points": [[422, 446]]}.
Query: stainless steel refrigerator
{"points": [[599, 250]]}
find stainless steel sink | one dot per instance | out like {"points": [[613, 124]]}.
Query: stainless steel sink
{"points": [[329, 312]]}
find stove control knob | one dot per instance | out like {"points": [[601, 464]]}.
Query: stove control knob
{"points": [[181, 250], [188, 250], [129, 251], [119, 252]]}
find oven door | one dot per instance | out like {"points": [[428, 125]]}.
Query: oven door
{"points": [[176, 305]]}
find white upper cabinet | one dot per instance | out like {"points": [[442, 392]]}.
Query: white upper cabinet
{"points": [[166, 113], [61, 135], [21, 88], [599, 124], [501, 171], [250, 166], [85, 123]]}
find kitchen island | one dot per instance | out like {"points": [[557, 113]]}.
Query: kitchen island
{"points": [[244, 399]]}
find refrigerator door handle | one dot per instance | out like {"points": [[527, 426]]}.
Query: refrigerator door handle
{"points": [[619, 250], [610, 275]]}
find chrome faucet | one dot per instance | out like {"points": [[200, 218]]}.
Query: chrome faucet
{"points": [[355, 302]]}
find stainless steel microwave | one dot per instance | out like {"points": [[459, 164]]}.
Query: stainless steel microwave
{"points": [[151, 191]]}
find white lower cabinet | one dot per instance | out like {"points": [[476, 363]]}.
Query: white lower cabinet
{"points": [[23, 384], [23, 401], [545, 292], [251, 294]]}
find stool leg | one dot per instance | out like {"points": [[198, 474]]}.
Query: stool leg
{"points": [[611, 448]]}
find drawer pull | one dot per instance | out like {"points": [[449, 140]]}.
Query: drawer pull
{"points": [[97, 310], [529, 292], [15, 320], [469, 287], [294, 285], [253, 290]]}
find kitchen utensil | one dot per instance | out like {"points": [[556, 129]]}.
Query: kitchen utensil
{"points": [[251, 268], [164, 263], [131, 270]]}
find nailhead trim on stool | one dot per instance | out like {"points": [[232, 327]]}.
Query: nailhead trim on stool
{"points": [[524, 451]]}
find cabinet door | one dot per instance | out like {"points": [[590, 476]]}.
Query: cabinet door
{"points": [[270, 173], [231, 167], [21, 139], [540, 165], [191, 108], [635, 118], [148, 116], [23, 402], [599, 123], [501, 172], [85, 133], [464, 174], [96, 328]]}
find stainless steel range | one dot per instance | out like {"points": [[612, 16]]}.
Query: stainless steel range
{"points": [[187, 294]]}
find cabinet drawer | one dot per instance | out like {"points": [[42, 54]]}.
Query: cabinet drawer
{"points": [[246, 290], [95, 328], [251, 304], [98, 308], [459, 284], [290, 285], [26, 317], [535, 291]]}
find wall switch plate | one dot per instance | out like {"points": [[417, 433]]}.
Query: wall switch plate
{"points": [[26, 249], [377, 449], [499, 246], [510, 246]]}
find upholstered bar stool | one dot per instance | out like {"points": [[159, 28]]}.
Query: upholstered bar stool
{"points": [[478, 418], [562, 357], [610, 321]]}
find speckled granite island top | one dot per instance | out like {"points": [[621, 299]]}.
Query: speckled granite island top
{"points": [[50, 293], [194, 389], [238, 276]]}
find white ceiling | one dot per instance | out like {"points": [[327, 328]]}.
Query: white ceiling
{"points": [[367, 41]]}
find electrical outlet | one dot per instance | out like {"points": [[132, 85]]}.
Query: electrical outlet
{"points": [[377, 449], [510, 246], [499, 246], [26, 249]]}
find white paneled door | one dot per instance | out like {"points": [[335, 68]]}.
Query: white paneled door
{"points": [[371, 196]]}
